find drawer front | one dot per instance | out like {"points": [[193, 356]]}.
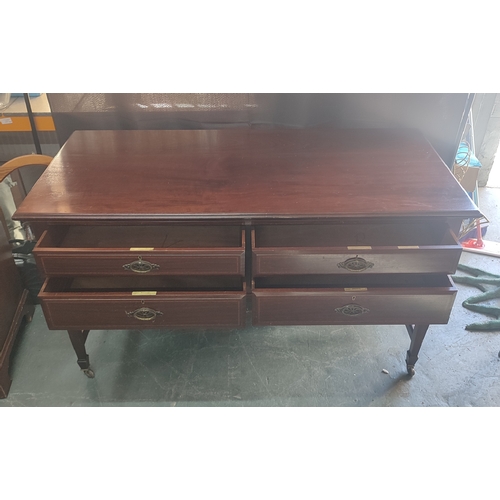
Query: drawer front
{"points": [[279, 261], [74, 251], [370, 307], [87, 311], [354, 249], [56, 262]]}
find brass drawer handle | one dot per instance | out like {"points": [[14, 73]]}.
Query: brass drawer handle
{"points": [[141, 266], [352, 310], [356, 264], [144, 314]]}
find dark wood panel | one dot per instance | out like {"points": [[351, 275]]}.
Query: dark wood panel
{"points": [[356, 280], [128, 284], [371, 306], [157, 236], [10, 286], [15, 305], [236, 174], [100, 251], [80, 263], [386, 233], [92, 310], [410, 256], [442, 259], [103, 302]]}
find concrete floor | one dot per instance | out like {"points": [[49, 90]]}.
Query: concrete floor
{"points": [[269, 366]]}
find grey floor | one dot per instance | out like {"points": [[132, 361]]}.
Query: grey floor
{"points": [[269, 366]]}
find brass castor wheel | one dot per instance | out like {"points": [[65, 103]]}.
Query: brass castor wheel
{"points": [[411, 370], [89, 372]]}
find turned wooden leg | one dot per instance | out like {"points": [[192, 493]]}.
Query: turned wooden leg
{"points": [[78, 338], [417, 334]]}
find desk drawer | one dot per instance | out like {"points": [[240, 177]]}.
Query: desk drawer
{"points": [[141, 250], [424, 300], [79, 304], [354, 249]]}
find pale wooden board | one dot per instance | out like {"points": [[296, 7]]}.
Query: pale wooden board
{"points": [[491, 248]]}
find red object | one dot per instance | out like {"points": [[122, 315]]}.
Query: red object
{"points": [[475, 242]]}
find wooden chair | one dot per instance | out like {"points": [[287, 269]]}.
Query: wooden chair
{"points": [[12, 167], [23, 161]]}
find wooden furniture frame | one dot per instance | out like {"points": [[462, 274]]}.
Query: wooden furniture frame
{"points": [[168, 229], [15, 303]]}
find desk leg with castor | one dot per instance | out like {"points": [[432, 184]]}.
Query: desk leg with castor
{"points": [[78, 338], [417, 334]]}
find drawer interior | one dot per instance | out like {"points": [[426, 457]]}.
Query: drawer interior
{"points": [[354, 281], [343, 235], [145, 283], [165, 236]]}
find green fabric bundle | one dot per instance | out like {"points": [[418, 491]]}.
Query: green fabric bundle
{"points": [[479, 279]]}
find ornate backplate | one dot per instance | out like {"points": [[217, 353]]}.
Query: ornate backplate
{"points": [[352, 310], [356, 264]]}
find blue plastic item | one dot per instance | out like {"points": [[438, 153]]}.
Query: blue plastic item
{"points": [[464, 152]]}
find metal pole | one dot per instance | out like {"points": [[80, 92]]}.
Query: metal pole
{"points": [[33, 126]]}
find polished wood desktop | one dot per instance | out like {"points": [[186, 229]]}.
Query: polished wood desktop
{"points": [[192, 228]]}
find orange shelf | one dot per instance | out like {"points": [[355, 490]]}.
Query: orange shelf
{"points": [[22, 124]]}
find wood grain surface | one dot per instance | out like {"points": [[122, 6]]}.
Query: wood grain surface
{"points": [[169, 175]]}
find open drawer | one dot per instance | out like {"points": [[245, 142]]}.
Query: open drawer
{"points": [[354, 248], [102, 303], [331, 301], [140, 250]]}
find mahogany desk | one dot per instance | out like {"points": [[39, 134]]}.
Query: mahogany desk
{"points": [[167, 229]]}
